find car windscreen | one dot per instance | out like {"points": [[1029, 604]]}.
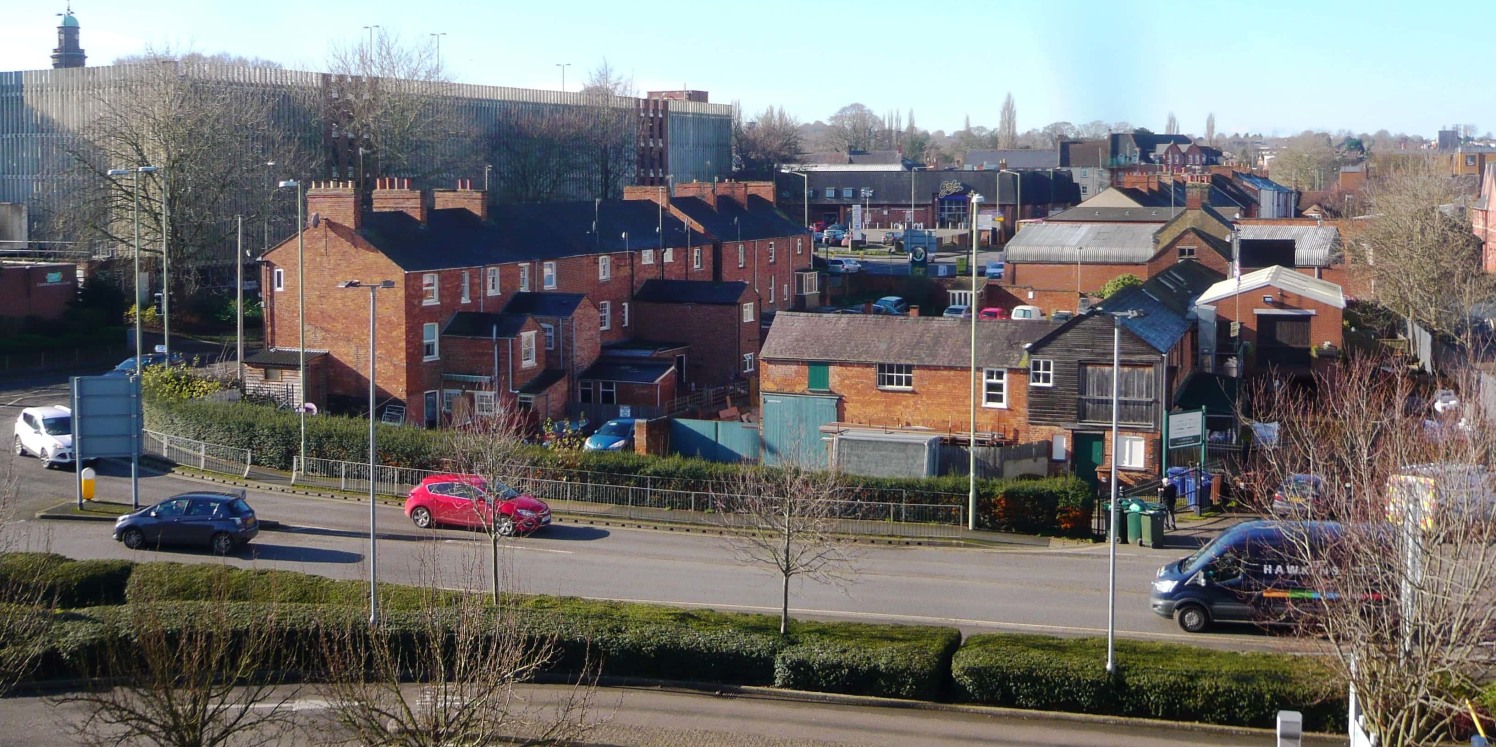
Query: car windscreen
{"points": [[57, 426], [615, 429]]}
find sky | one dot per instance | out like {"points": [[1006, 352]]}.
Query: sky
{"points": [[1271, 66]]}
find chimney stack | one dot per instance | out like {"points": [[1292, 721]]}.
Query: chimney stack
{"points": [[336, 202], [1196, 191], [394, 195], [474, 201]]}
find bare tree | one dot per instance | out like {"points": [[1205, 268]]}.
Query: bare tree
{"points": [[1007, 125], [493, 447], [391, 109], [540, 154], [190, 674], [853, 127], [1308, 162], [613, 129], [445, 673], [1171, 125], [1416, 252], [770, 140], [1410, 568], [1057, 131], [1210, 128], [784, 518]]}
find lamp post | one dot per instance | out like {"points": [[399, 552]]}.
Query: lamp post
{"points": [[563, 66], [1111, 538], [265, 218], [135, 178], [165, 269], [300, 306], [971, 445], [438, 37], [374, 289], [370, 29]]}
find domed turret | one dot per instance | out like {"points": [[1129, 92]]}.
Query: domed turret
{"points": [[68, 53]]}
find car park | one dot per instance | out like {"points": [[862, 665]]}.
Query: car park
{"points": [[957, 311], [891, 305], [220, 521], [473, 502], [615, 435], [45, 433], [838, 266]]}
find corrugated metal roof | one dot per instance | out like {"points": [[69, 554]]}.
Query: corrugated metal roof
{"points": [[1323, 291], [1313, 246], [921, 341], [1088, 243]]}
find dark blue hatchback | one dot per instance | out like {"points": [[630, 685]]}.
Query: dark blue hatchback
{"points": [[220, 521]]}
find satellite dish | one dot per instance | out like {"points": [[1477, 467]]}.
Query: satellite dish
{"points": [[316, 220], [309, 408]]}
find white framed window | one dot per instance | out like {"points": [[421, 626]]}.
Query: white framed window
{"points": [[1041, 372], [524, 278], [748, 363], [430, 295], [747, 312], [605, 314], [484, 404], [831, 193], [771, 290], [605, 268], [467, 286], [550, 335], [448, 397], [786, 293], [584, 392], [960, 297], [799, 246], [623, 319], [493, 285], [895, 376], [430, 342], [607, 392], [846, 193], [696, 258], [527, 349], [808, 283], [669, 255], [995, 387], [647, 256], [1132, 452], [548, 275], [742, 256], [279, 280], [771, 252]]}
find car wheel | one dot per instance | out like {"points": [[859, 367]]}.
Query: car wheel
{"points": [[421, 516], [1192, 618], [46, 459], [20, 447], [504, 527], [222, 543], [132, 538]]}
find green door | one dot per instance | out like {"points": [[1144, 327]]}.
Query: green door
{"points": [[1090, 452]]}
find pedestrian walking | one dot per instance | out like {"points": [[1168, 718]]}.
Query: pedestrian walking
{"points": [[1168, 496]]}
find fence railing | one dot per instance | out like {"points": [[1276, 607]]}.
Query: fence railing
{"points": [[577, 492], [706, 399], [199, 454]]}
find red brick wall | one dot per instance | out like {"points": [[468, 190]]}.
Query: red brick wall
{"points": [[1326, 324], [26, 291], [392, 195], [1168, 256], [778, 271], [940, 399], [716, 333], [334, 201], [1053, 285], [475, 356]]}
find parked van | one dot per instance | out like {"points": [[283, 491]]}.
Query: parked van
{"points": [[1442, 497], [1027, 312], [1247, 574]]}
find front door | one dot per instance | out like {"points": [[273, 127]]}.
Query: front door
{"points": [[432, 408], [1090, 453]]}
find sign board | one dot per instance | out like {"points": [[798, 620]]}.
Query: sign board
{"points": [[107, 422], [625, 411], [985, 221], [1186, 429], [857, 223]]}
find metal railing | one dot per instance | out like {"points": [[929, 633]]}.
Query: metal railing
{"points": [[575, 491], [200, 454]]}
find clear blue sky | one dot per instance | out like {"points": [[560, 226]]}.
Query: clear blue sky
{"points": [[1274, 66]]}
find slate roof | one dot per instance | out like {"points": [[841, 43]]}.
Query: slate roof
{"points": [[1017, 158], [1160, 326], [545, 304], [515, 233], [1095, 243], [484, 324], [282, 357], [1323, 291], [876, 156], [1313, 246], [759, 220], [631, 370], [921, 341], [1117, 214], [1178, 286], [543, 381], [691, 291], [1084, 153]]}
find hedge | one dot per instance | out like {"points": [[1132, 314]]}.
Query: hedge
{"points": [[1059, 505], [57, 580], [886, 661], [1155, 680]]}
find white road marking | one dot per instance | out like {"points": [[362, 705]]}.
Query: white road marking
{"points": [[515, 547]]}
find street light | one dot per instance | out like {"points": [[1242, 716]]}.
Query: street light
{"points": [[300, 306], [370, 29], [165, 269], [563, 66], [971, 446], [373, 500], [1111, 537], [135, 178], [438, 37]]}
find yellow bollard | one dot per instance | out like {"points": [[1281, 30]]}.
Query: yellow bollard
{"points": [[88, 483]]}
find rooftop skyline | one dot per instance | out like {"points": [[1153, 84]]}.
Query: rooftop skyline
{"points": [[1274, 66]]}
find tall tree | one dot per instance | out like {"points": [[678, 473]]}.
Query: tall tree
{"points": [[1171, 126], [614, 130], [1308, 162], [1007, 125], [771, 139], [853, 127], [1210, 129], [1057, 131]]}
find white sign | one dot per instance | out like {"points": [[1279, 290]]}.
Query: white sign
{"points": [[985, 221], [625, 411], [1186, 428], [857, 223]]}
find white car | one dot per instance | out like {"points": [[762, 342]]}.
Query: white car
{"points": [[47, 433], [843, 266]]}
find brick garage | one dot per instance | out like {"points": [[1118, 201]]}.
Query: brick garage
{"points": [[1314, 307]]}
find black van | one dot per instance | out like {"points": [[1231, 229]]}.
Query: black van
{"points": [[1247, 574]]}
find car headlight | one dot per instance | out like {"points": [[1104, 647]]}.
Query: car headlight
{"points": [[525, 512], [616, 445], [1164, 585]]}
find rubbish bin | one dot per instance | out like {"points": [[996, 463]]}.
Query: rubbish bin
{"points": [[1134, 523], [1124, 518], [1153, 528]]}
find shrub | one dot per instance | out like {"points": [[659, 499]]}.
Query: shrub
{"points": [[881, 660], [63, 582], [1155, 680]]}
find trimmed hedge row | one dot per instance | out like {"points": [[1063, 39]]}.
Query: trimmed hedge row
{"points": [[1155, 680], [60, 581], [1059, 505]]}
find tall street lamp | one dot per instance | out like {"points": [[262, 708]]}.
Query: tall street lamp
{"points": [[135, 173], [300, 306], [373, 501], [563, 66], [438, 37], [1111, 538], [165, 268], [971, 445]]}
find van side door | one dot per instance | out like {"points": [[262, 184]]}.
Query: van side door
{"points": [[1226, 587]]}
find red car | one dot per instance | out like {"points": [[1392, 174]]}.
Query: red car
{"points": [[470, 501]]}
